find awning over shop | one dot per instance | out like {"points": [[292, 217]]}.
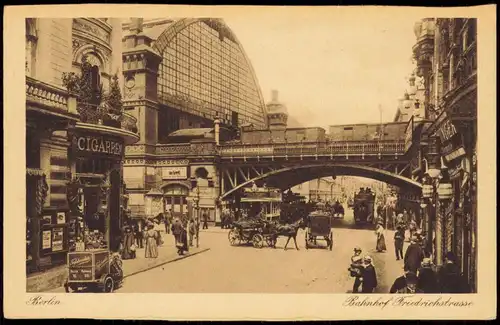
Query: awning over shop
{"points": [[192, 133]]}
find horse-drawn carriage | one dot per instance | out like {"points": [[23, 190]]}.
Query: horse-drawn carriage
{"points": [[319, 224], [257, 231]]}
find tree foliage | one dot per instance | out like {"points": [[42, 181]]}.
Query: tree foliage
{"points": [[114, 99], [91, 98]]}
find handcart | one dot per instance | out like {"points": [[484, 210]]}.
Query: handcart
{"points": [[96, 270]]}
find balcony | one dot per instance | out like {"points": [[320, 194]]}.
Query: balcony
{"points": [[49, 98], [57, 101], [99, 119]]}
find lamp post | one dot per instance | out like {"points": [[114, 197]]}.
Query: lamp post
{"points": [[439, 192], [196, 201]]}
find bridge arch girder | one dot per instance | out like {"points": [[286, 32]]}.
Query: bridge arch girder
{"points": [[288, 177]]}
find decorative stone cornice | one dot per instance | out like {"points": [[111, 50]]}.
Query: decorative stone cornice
{"points": [[130, 104], [141, 59], [155, 162], [94, 30]]}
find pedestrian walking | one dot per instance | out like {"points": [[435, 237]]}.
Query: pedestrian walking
{"points": [[413, 227], [205, 220], [427, 279], [179, 232], [399, 237], [128, 244], [369, 278], [356, 269], [380, 232], [406, 217], [192, 231], [413, 256], [167, 221], [139, 233], [223, 218], [158, 228], [151, 250], [451, 279]]}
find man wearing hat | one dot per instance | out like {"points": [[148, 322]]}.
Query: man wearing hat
{"points": [[451, 279], [369, 277], [413, 256], [407, 283], [399, 237], [427, 278]]}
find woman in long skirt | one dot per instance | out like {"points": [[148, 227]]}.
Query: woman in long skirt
{"points": [[128, 243], [380, 238], [151, 250]]}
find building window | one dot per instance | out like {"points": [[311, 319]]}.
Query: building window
{"points": [[95, 83], [471, 31]]}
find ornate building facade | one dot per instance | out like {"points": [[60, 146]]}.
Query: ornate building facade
{"points": [[446, 55], [76, 135], [185, 80]]}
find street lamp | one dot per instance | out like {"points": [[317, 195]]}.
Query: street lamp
{"points": [[196, 201], [441, 191]]}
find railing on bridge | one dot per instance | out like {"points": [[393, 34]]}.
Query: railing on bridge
{"points": [[336, 148], [383, 147], [173, 149]]}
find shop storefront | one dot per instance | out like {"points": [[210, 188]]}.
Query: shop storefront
{"points": [[96, 191], [457, 145], [47, 172]]}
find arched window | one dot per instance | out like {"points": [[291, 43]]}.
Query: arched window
{"points": [[31, 41], [95, 82]]}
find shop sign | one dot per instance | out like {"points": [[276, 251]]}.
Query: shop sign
{"points": [[455, 154], [98, 145], [80, 260], [174, 172], [46, 239], [454, 171], [446, 131]]}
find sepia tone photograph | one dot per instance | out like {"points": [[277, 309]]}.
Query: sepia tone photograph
{"points": [[196, 155]]}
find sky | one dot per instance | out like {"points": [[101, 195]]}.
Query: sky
{"points": [[330, 68]]}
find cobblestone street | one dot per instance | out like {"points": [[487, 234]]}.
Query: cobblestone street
{"points": [[228, 269]]}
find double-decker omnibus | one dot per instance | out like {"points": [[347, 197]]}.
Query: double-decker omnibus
{"points": [[364, 206]]}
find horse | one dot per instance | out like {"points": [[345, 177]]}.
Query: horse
{"points": [[290, 230]]}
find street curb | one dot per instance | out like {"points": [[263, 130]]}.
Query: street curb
{"points": [[167, 262]]}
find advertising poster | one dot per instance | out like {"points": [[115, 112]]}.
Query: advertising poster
{"points": [[57, 239], [46, 239], [61, 218], [47, 219]]}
